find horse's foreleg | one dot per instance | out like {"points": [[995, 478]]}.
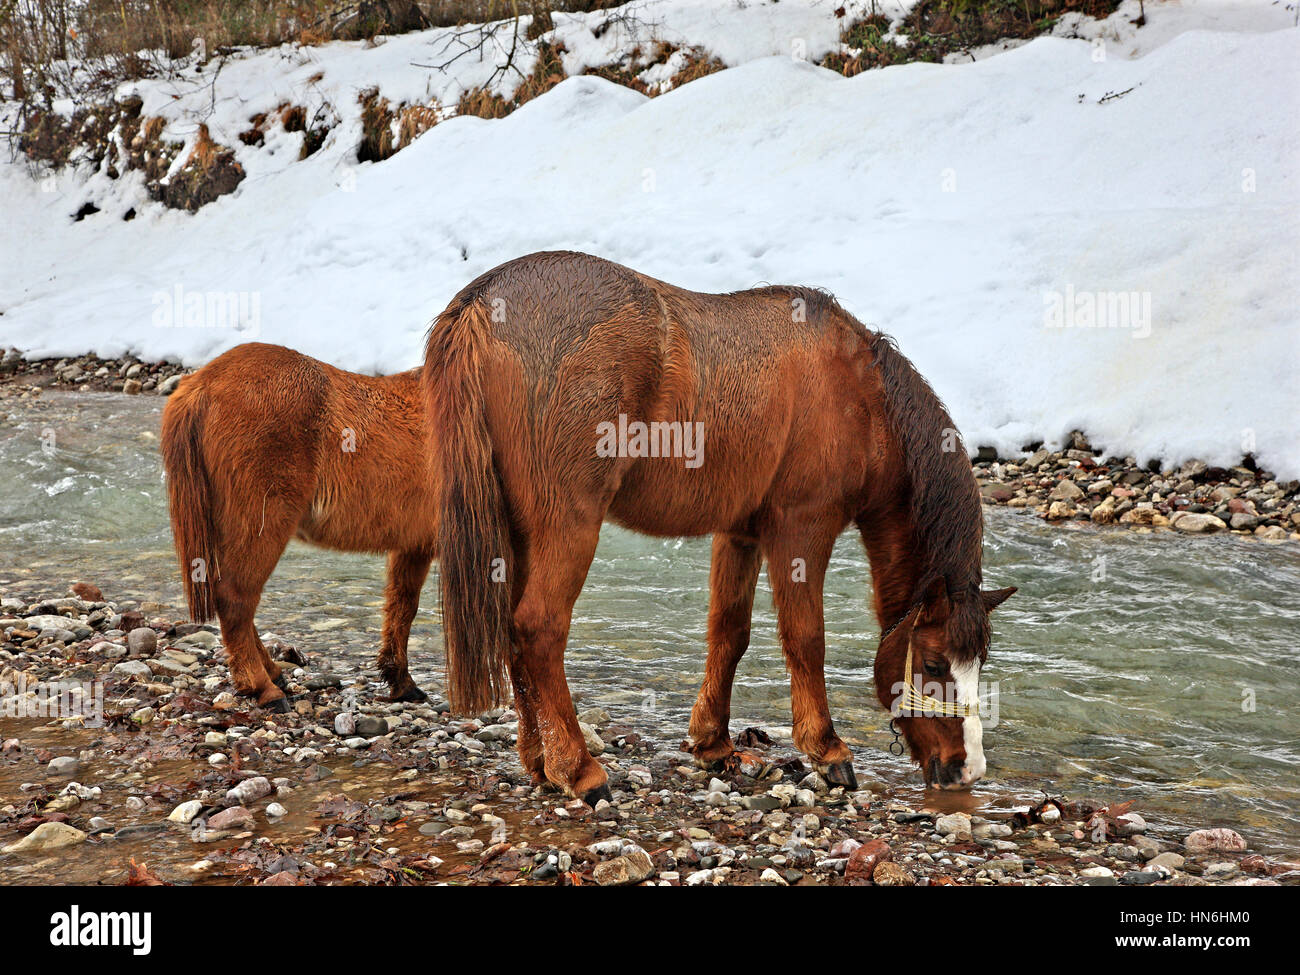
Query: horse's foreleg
{"points": [[406, 574], [796, 567], [559, 559], [732, 580]]}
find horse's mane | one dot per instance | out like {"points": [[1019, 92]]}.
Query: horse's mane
{"points": [[944, 499]]}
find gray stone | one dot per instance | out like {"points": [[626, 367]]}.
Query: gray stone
{"points": [[1141, 878], [1167, 861], [1065, 490], [370, 726], [595, 744], [250, 789], [1196, 523], [133, 668], [142, 641], [956, 824]]}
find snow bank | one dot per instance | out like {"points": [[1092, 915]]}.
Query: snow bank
{"points": [[958, 207]]}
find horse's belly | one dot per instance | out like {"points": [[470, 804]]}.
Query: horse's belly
{"points": [[658, 500]]}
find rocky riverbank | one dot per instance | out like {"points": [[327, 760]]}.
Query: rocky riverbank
{"points": [[87, 373], [184, 783], [1078, 484]]}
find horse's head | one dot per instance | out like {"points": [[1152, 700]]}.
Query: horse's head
{"points": [[927, 674]]}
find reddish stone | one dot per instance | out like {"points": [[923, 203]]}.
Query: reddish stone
{"points": [[864, 860], [91, 594]]}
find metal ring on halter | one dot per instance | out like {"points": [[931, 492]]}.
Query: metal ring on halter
{"points": [[895, 746]]}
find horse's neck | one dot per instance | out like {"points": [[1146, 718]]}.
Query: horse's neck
{"points": [[895, 565]]}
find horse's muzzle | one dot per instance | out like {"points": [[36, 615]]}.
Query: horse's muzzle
{"points": [[947, 775]]}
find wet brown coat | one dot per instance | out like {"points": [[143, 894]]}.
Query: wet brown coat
{"points": [[811, 423], [264, 443]]}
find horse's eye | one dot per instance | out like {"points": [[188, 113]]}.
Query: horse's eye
{"points": [[933, 669]]}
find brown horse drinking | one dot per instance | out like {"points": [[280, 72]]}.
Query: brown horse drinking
{"points": [[264, 443], [570, 390]]}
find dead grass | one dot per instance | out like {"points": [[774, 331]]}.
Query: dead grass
{"points": [[934, 29], [376, 127], [209, 172]]}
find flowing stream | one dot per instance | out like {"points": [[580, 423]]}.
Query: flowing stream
{"points": [[1129, 666]]}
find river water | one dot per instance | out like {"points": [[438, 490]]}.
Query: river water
{"points": [[1157, 668]]}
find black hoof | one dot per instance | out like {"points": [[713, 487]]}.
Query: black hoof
{"points": [[279, 706], [841, 773], [412, 695], [595, 795], [281, 682]]}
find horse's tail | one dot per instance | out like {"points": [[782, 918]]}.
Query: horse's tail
{"points": [[190, 495], [474, 549]]}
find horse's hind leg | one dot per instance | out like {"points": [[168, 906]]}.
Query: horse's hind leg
{"points": [[406, 574], [236, 604], [245, 567], [798, 550], [532, 756], [732, 579], [559, 558]]}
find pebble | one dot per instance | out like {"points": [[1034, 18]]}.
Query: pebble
{"points": [[133, 668], [1196, 523], [630, 868], [370, 726], [955, 824], [142, 641], [236, 817], [864, 859], [186, 811], [890, 874], [46, 837], [1167, 861], [65, 765], [1203, 840], [1141, 877], [250, 790], [595, 744]]}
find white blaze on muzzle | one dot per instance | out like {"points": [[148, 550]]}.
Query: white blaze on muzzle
{"points": [[967, 678]]}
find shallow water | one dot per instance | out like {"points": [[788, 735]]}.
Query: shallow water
{"points": [[1126, 665]]}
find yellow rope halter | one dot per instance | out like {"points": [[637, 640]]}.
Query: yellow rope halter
{"points": [[913, 703]]}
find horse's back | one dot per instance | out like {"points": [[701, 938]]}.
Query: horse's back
{"points": [[581, 342]]}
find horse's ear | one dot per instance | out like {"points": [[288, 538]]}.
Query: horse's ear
{"points": [[993, 598]]}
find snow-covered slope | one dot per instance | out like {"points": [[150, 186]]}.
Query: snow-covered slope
{"points": [[954, 206]]}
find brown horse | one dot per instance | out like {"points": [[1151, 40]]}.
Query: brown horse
{"points": [[571, 390], [264, 443]]}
